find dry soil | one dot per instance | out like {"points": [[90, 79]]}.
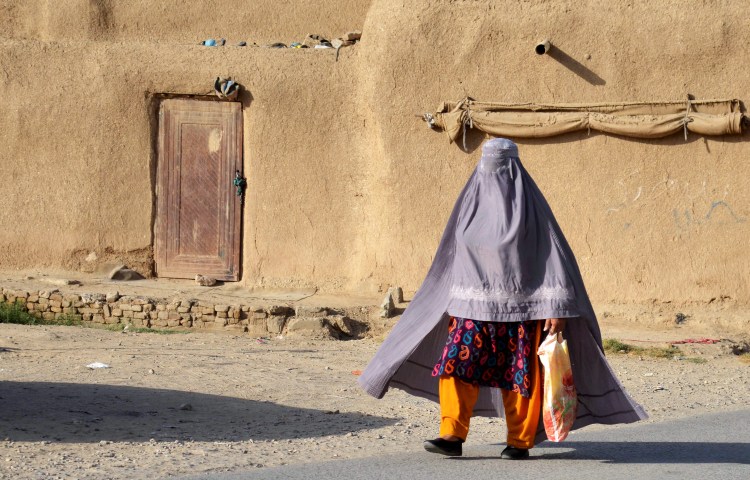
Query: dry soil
{"points": [[201, 402]]}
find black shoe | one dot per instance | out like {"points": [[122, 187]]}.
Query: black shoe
{"points": [[514, 453], [451, 448]]}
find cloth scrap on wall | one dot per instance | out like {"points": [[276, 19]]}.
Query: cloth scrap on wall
{"points": [[630, 119]]}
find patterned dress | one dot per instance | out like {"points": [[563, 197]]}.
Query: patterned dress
{"points": [[491, 354]]}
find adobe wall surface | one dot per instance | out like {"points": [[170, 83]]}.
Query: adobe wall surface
{"points": [[79, 157], [347, 189], [178, 21], [648, 219]]}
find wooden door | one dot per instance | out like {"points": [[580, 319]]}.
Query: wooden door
{"points": [[198, 212]]}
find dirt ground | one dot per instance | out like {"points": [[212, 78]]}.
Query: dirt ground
{"points": [[198, 402]]}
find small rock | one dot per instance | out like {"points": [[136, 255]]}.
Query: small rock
{"points": [[151, 371], [186, 407], [112, 297], [205, 281], [387, 307], [397, 293]]}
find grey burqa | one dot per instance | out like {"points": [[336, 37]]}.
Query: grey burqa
{"points": [[502, 258]]}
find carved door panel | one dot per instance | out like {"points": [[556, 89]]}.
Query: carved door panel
{"points": [[198, 216]]}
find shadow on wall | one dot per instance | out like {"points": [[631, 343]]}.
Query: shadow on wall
{"points": [[68, 412], [575, 66]]}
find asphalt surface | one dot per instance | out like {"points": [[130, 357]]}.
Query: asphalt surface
{"points": [[715, 446]]}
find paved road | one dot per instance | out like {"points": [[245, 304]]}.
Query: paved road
{"points": [[713, 446]]}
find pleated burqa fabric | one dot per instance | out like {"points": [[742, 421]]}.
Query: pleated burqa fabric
{"points": [[502, 258]]}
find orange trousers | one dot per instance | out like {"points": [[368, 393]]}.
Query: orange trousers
{"points": [[457, 399]]}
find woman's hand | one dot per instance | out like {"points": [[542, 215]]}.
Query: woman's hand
{"points": [[554, 325]]}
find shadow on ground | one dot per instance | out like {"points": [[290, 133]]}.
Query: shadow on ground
{"points": [[67, 412], [633, 452]]}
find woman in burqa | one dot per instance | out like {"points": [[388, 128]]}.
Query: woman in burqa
{"points": [[502, 276]]}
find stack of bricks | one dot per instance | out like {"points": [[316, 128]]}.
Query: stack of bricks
{"points": [[148, 312]]}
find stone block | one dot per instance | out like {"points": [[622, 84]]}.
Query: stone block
{"points": [[66, 303], [186, 322], [148, 307], [111, 320], [173, 306], [259, 315], [106, 311], [281, 310], [275, 324], [161, 307], [207, 310], [183, 309], [127, 314], [162, 315], [136, 308], [257, 327], [45, 294], [221, 308], [55, 309], [93, 297], [86, 317], [159, 322], [140, 315], [70, 310], [301, 324], [174, 322], [98, 318], [30, 306], [222, 314], [33, 298], [43, 301], [112, 297], [220, 321], [72, 298], [116, 312], [39, 307], [48, 316], [56, 297], [79, 304]]}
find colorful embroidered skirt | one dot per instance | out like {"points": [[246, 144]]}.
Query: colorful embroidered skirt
{"points": [[492, 354]]}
